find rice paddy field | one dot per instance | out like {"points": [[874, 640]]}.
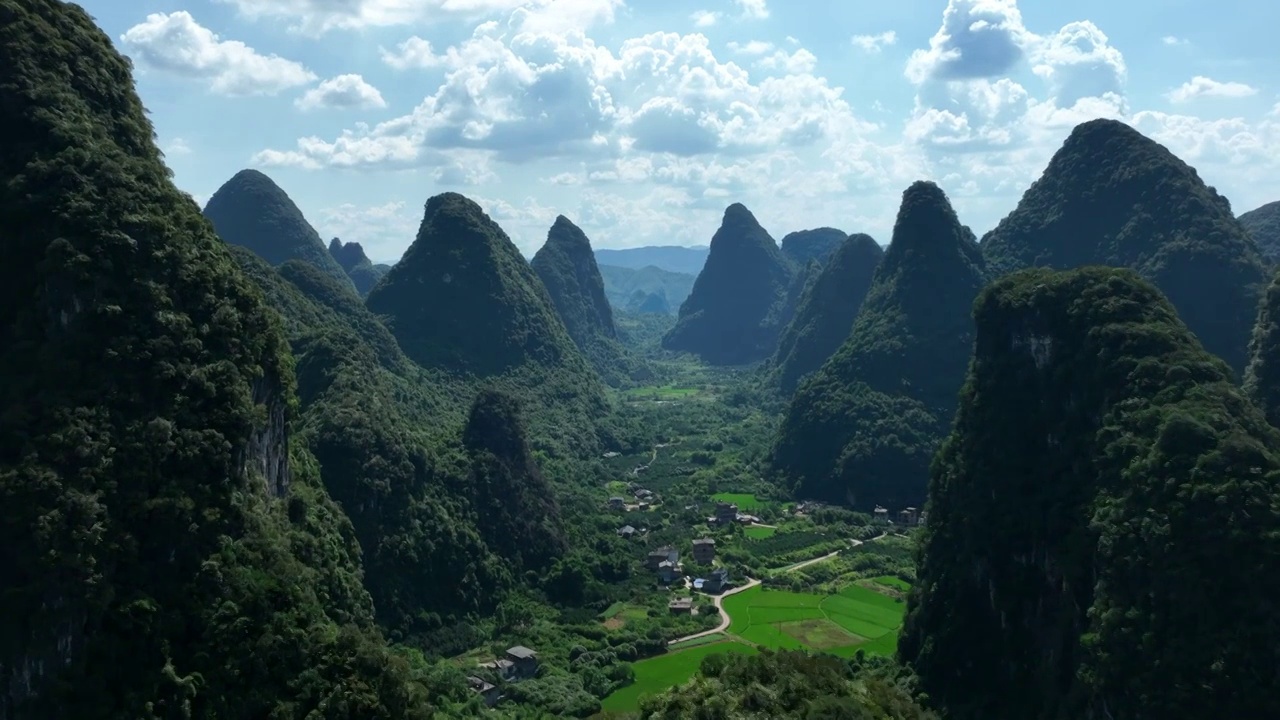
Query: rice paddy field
{"points": [[857, 618], [658, 674]]}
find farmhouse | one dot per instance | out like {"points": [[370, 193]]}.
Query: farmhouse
{"points": [[505, 669], [717, 581], [726, 513], [680, 606], [617, 503], [881, 514], [525, 661], [668, 571], [486, 690], [908, 516], [704, 551], [657, 557], [626, 532]]}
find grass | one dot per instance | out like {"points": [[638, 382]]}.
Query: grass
{"points": [[658, 674], [857, 618], [704, 640], [760, 533], [661, 392], [617, 615], [746, 502], [896, 583]]}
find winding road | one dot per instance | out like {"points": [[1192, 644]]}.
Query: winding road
{"points": [[717, 600]]}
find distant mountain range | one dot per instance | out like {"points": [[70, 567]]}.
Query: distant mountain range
{"points": [[688, 260]]}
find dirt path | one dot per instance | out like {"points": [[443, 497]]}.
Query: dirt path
{"points": [[725, 620]]}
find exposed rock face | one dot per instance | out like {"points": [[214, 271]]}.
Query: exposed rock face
{"points": [[1111, 196], [827, 310], [1101, 472], [250, 210], [733, 314], [862, 428]]}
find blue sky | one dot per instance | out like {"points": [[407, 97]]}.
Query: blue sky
{"points": [[642, 120]]}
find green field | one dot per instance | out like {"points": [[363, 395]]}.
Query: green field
{"points": [[658, 674], [857, 618], [746, 502], [661, 392], [760, 533], [894, 582]]}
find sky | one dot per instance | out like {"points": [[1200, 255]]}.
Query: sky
{"points": [[641, 120]]}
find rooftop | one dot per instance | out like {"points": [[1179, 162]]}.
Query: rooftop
{"points": [[704, 541], [522, 652]]}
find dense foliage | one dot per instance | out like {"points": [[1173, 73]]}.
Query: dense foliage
{"points": [[363, 273], [568, 270], [1262, 378], [733, 315], [1095, 553], [647, 289], [826, 311], [463, 301], [251, 211], [789, 684], [1111, 196], [165, 549], [817, 245], [1263, 224], [863, 428]]}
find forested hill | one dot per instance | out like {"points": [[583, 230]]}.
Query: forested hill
{"points": [[818, 244], [568, 270], [464, 301], [252, 211], [155, 503], [863, 428], [826, 311], [732, 315], [363, 273], [1262, 378], [1111, 196], [1263, 224], [1128, 586]]}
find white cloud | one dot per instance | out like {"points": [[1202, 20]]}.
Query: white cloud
{"points": [[342, 92], [799, 62], [753, 47], [753, 9], [978, 39], [412, 53], [383, 230], [704, 18], [875, 43], [316, 17], [175, 43], [177, 147], [1203, 87], [1174, 40]]}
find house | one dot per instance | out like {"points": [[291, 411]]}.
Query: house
{"points": [[644, 506], [680, 605], [908, 516], [717, 581], [643, 494], [617, 503], [668, 571], [524, 660], [881, 514], [505, 669], [704, 551], [656, 557], [626, 532], [726, 513], [486, 690]]}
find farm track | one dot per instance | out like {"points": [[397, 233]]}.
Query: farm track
{"points": [[717, 600]]}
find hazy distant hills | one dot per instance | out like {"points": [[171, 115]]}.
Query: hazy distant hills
{"points": [[688, 260]]}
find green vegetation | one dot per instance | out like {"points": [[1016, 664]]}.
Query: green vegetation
{"points": [[731, 316], [363, 273], [659, 674], [167, 548], [855, 619], [1262, 378], [864, 427], [817, 245], [826, 312], [1263, 225], [647, 289], [759, 533], [568, 270], [251, 211], [463, 301], [1086, 596], [1111, 196], [791, 685], [746, 502]]}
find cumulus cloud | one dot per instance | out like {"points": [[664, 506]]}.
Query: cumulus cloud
{"points": [[704, 18], [753, 47], [384, 230], [753, 9], [875, 43], [1203, 87], [342, 92], [525, 95], [316, 17], [175, 43], [978, 39], [410, 54]]}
